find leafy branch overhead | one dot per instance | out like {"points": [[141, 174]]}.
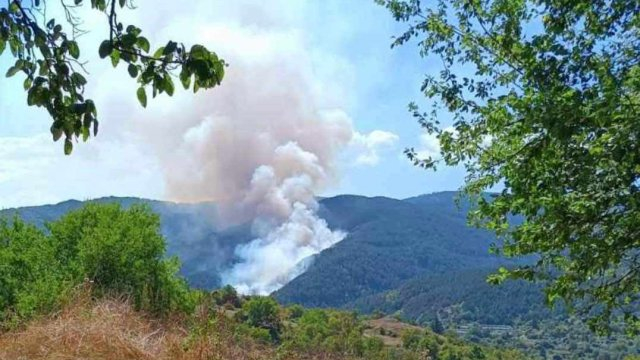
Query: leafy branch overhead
{"points": [[545, 98], [48, 56]]}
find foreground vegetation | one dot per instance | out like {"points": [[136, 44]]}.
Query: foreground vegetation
{"points": [[96, 284]]}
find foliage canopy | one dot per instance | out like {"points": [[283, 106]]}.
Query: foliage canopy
{"points": [[545, 99]]}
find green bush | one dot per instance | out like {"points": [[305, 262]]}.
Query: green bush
{"points": [[323, 330], [263, 312], [30, 278], [227, 295], [120, 251], [295, 311]]}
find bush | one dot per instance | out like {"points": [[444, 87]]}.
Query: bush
{"points": [[30, 278], [227, 296], [327, 331], [121, 252], [295, 311], [262, 312], [411, 339]]}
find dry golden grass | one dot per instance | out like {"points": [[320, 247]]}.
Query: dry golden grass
{"points": [[111, 330]]}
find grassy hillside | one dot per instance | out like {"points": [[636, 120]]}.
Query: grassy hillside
{"points": [[111, 328]]}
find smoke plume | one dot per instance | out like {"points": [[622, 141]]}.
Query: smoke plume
{"points": [[262, 146]]}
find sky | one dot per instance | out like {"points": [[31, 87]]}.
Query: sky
{"points": [[303, 58]]}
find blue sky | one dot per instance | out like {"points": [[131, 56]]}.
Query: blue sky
{"points": [[339, 55]]}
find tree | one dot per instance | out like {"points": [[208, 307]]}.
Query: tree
{"points": [[30, 281], [49, 57], [122, 252], [545, 106], [262, 312], [437, 326]]}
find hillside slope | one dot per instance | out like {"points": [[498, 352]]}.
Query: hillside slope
{"points": [[389, 241]]}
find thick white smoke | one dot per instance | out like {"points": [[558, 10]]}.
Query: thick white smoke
{"points": [[263, 145], [288, 229]]}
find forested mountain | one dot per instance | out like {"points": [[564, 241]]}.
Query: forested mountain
{"points": [[389, 241]]}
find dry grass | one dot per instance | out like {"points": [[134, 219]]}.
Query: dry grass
{"points": [[111, 329], [392, 329]]}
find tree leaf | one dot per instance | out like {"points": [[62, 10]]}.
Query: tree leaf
{"points": [[171, 47], [133, 70], [12, 71], [56, 133], [168, 85], [115, 57], [185, 78], [74, 51], [27, 83], [143, 44], [105, 49], [142, 96], [68, 146]]}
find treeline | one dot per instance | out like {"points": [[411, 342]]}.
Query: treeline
{"points": [[109, 252]]}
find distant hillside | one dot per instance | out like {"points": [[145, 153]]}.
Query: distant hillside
{"points": [[460, 297], [389, 241]]}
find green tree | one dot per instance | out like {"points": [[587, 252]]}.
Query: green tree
{"points": [[477, 353], [262, 312], [49, 57], [30, 280], [227, 295], [545, 98], [411, 338], [122, 252], [437, 326]]}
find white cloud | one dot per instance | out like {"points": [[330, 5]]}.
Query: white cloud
{"points": [[34, 171], [368, 146], [429, 146]]}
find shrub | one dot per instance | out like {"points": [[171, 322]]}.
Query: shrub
{"points": [[227, 296], [122, 252], [119, 250], [295, 311], [262, 312], [30, 280], [411, 339]]}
